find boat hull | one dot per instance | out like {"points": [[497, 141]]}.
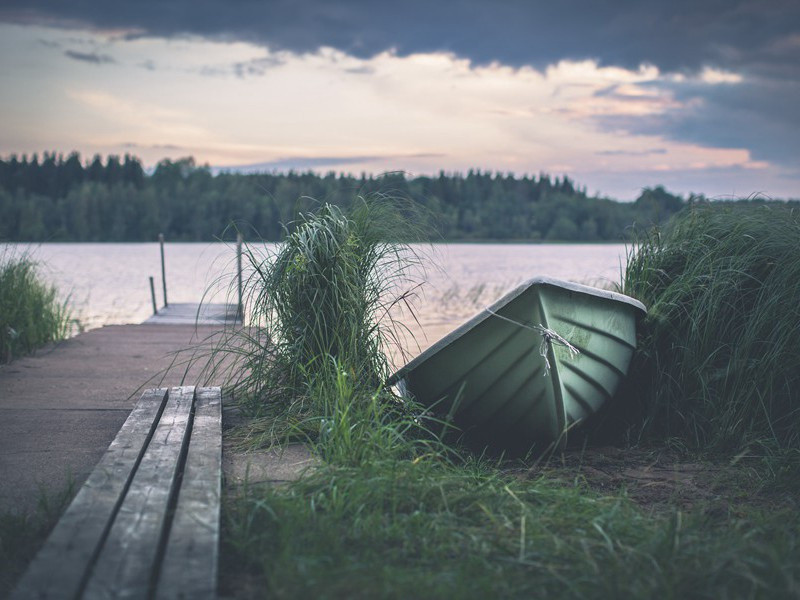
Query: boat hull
{"points": [[529, 368]]}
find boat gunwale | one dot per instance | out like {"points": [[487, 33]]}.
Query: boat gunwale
{"points": [[503, 301]]}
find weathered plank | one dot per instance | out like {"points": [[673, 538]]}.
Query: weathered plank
{"points": [[124, 568], [189, 568], [60, 567]]}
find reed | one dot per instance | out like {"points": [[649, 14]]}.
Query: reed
{"points": [[718, 359], [31, 314]]}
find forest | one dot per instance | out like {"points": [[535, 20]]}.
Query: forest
{"points": [[56, 198]]}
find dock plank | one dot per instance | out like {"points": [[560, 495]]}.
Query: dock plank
{"points": [[130, 552], [199, 314], [60, 568], [189, 569]]}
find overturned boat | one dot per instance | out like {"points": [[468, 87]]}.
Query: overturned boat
{"points": [[531, 366]]}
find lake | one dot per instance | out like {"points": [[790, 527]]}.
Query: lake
{"points": [[108, 283]]}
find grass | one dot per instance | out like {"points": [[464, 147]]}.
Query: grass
{"points": [[321, 309], [30, 313], [22, 534], [720, 345], [425, 529], [392, 512]]}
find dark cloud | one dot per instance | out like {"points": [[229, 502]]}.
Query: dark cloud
{"points": [[672, 34], [89, 57], [758, 115], [256, 66]]}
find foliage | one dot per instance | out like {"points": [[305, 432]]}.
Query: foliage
{"points": [[718, 360], [58, 199], [30, 313]]}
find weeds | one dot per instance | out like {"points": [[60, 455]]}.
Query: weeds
{"points": [[30, 312]]}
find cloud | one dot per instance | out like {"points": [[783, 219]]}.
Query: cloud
{"points": [[135, 145], [302, 163], [257, 66], [727, 72], [649, 152], [756, 35], [89, 57], [759, 115]]}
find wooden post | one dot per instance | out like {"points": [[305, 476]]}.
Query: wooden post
{"points": [[153, 295], [239, 273], [163, 269]]}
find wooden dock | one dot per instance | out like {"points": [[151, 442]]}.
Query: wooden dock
{"points": [[196, 314]]}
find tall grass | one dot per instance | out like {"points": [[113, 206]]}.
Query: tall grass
{"points": [[31, 314], [320, 311], [718, 362]]}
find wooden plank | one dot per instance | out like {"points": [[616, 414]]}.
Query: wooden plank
{"points": [[189, 568], [125, 565], [60, 567], [200, 314]]}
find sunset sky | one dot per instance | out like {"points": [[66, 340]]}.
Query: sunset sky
{"points": [[700, 96]]}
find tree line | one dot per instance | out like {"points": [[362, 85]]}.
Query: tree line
{"points": [[115, 200]]}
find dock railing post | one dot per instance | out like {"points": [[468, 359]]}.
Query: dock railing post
{"points": [[153, 295], [239, 274], [163, 268]]}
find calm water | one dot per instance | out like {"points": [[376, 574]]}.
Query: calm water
{"points": [[108, 283]]}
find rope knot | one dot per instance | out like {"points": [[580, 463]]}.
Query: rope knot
{"points": [[548, 338]]}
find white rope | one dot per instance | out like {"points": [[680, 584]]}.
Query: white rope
{"points": [[548, 337]]}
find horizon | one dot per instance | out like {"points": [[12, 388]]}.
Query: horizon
{"points": [[303, 169]]}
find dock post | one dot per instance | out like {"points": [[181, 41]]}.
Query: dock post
{"points": [[153, 295], [163, 269], [239, 273]]}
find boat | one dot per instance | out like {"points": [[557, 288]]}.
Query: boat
{"points": [[525, 371]]}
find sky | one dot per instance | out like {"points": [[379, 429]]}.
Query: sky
{"points": [[701, 96]]}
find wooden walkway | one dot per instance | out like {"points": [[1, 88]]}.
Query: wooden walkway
{"points": [[196, 314], [146, 522]]}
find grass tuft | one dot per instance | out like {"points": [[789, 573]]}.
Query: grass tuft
{"points": [[320, 311], [30, 312], [717, 365]]}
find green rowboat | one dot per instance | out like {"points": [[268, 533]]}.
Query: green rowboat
{"points": [[527, 369]]}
